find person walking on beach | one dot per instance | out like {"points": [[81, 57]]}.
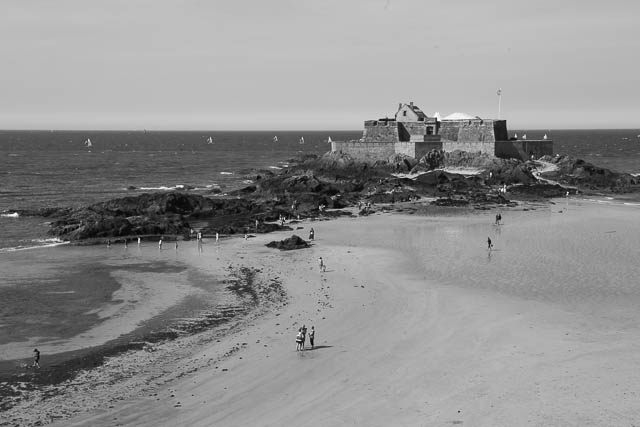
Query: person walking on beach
{"points": [[36, 358], [304, 335], [299, 340], [312, 334], [321, 263], [176, 245], [126, 243], [108, 243], [138, 242], [160, 244], [489, 244], [217, 237], [312, 234]]}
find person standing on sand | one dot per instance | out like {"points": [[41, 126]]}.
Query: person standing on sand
{"points": [[217, 237], [312, 334], [36, 358], [299, 340], [176, 245], [489, 244], [312, 234], [321, 263], [138, 242], [160, 244]]}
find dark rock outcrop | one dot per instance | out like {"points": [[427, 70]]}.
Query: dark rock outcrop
{"points": [[577, 172], [293, 242]]}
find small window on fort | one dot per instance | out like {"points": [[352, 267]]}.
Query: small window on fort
{"points": [[404, 113], [429, 130]]}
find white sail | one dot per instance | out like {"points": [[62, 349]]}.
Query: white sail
{"points": [[88, 142], [302, 140], [329, 140], [210, 140], [275, 138]]}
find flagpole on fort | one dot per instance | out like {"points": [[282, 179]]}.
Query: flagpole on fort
{"points": [[499, 102]]}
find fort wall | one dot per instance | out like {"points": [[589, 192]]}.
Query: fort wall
{"points": [[365, 151], [473, 136], [380, 131], [415, 136]]}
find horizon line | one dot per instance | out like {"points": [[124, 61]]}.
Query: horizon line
{"points": [[274, 130]]}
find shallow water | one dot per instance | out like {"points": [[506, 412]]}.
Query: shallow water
{"points": [[67, 298], [580, 254]]}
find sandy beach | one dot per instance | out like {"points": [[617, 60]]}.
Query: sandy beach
{"points": [[417, 323]]}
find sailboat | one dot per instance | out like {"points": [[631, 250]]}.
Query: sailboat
{"points": [[210, 140], [329, 140], [275, 138], [301, 140], [88, 143]]}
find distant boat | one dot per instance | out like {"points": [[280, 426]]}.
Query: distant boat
{"points": [[545, 136], [210, 140], [88, 143], [275, 138], [329, 140], [301, 140]]}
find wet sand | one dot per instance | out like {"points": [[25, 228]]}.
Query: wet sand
{"points": [[417, 324]]}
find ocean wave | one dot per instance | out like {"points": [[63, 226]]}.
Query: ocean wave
{"points": [[247, 181], [226, 173], [10, 215], [35, 244], [275, 167], [163, 188]]}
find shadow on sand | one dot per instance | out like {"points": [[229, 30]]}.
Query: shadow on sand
{"points": [[318, 347]]}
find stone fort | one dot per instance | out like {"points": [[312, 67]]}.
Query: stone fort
{"points": [[413, 133]]}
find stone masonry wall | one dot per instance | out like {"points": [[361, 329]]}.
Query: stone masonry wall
{"points": [[468, 135], [469, 147], [381, 132], [365, 151], [412, 131]]}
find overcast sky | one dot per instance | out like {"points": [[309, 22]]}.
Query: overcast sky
{"points": [[325, 64]]}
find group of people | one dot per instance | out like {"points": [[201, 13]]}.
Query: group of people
{"points": [[302, 336], [366, 206], [498, 219]]}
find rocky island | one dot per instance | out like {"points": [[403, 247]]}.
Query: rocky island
{"points": [[335, 181]]}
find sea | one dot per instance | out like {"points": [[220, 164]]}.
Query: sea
{"points": [[41, 169]]}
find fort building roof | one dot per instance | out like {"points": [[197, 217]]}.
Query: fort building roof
{"points": [[460, 116]]}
